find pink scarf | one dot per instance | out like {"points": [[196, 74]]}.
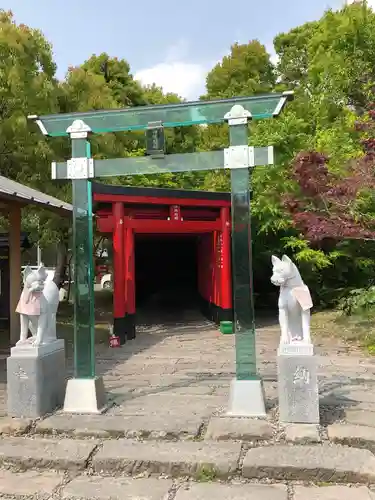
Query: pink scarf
{"points": [[303, 297], [29, 303]]}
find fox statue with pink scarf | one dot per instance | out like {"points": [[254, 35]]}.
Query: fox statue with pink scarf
{"points": [[297, 365], [294, 302], [37, 307]]}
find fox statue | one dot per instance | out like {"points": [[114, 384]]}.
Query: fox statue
{"points": [[37, 307], [294, 302]]}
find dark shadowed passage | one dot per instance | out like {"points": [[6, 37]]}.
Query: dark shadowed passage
{"points": [[166, 273]]}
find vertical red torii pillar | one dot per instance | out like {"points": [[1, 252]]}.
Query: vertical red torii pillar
{"points": [[129, 281], [226, 266], [119, 311]]}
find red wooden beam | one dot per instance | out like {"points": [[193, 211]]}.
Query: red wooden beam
{"points": [[170, 226], [151, 200], [105, 224]]}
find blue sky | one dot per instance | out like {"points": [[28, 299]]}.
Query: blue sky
{"points": [[168, 42]]}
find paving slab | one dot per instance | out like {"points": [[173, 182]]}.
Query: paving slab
{"points": [[183, 458], [14, 426], [302, 433], [241, 429], [332, 493], [325, 463], [26, 453], [136, 426], [115, 488], [361, 417], [362, 395], [232, 492], [350, 408], [352, 435], [163, 404], [29, 484]]}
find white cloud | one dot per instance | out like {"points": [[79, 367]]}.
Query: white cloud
{"points": [[271, 50], [184, 78], [176, 73]]}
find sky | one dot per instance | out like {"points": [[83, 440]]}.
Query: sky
{"points": [[173, 44]]}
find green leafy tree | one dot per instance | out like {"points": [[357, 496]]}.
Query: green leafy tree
{"points": [[333, 59], [116, 73], [247, 70], [28, 86]]}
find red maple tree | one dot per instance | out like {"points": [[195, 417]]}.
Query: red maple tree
{"points": [[323, 206]]}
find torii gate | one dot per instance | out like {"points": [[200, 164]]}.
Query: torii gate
{"points": [[85, 392]]}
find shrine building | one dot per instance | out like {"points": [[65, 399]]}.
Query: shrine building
{"points": [[164, 237]]}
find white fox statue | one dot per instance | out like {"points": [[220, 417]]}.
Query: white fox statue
{"points": [[294, 302], [37, 307]]}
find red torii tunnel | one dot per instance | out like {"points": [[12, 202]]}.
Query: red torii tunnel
{"points": [[161, 235]]}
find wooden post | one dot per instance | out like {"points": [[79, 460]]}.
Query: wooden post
{"points": [[119, 272], [226, 278], [14, 269], [129, 282]]}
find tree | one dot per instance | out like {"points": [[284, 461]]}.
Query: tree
{"points": [[28, 86], [332, 59], [336, 205], [247, 70], [329, 207], [120, 82], [153, 94]]}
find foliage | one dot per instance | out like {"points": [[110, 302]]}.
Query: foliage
{"points": [[327, 206], [332, 58], [27, 86], [359, 302], [247, 70]]}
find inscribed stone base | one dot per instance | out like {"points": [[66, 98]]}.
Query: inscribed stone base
{"points": [[246, 399], [85, 396], [36, 379], [298, 384]]}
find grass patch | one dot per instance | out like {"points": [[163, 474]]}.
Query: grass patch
{"points": [[205, 474], [103, 316], [355, 329]]}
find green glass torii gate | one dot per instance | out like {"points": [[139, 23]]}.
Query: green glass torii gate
{"points": [[85, 392]]}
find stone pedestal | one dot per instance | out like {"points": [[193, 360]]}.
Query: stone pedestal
{"points": [[246, 399], [36, 379], [298, 384], [85, 396]]}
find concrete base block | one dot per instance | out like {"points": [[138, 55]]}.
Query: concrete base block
{"points": [[246, 399], [298, 385], [85, 396], [36, 379]]}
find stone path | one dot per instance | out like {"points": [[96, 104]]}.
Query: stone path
{"points": [[166, 437], [48, 485]]}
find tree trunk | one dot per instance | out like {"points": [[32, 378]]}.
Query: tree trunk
{"points": [[62, 256]]}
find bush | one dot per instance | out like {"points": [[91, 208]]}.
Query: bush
{"points": [[359, 302]]}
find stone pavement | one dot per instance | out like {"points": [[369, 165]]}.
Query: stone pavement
{"points": [[53, 485], [165, 435]]}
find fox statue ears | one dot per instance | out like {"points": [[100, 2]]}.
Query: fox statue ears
{"points": [[275, 260], [26, 272], [41, 270]]}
